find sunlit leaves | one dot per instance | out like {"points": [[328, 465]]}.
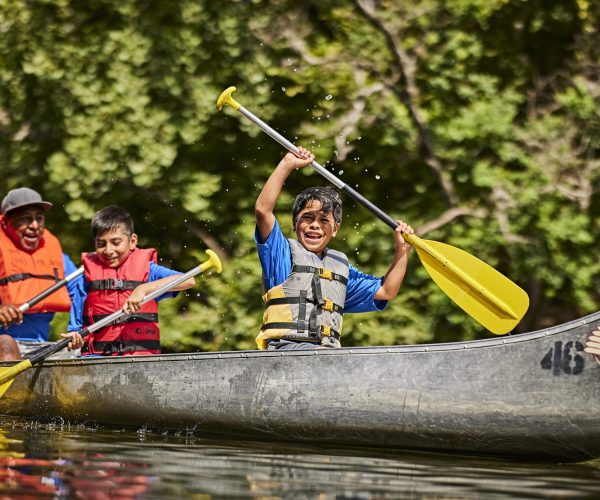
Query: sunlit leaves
{"points": [[114, 102]]}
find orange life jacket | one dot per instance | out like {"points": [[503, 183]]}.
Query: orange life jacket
{"points": [[23, 275], [108, 289]]}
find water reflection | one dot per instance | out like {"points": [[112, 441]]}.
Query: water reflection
{"points": [[7, 445], [26, 470], [83, 462]]}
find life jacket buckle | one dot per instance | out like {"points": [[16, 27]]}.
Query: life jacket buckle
{"points": [[114, 347], [328, 305], [326, 330], [325, 273], [118, 284]]}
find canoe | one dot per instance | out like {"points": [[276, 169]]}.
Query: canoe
{"points": [[531, 396]]}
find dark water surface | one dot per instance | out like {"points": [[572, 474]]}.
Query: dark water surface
{"points": [[60, 460]]}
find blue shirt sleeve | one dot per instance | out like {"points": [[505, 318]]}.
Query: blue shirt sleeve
{"points": [[360, 294], [78, 292], [158, 272], [70, 268], [275, 257], [68, 263]]}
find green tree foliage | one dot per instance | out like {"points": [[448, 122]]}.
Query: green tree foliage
{"points": [[475, 120]]}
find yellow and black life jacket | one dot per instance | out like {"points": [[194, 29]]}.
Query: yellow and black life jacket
{"points": [[309, 305]]}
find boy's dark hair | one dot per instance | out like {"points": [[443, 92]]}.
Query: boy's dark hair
{"points": [[331, 202], [110, 218]]}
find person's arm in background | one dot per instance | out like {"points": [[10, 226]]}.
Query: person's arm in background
{"points": [[78, 293]]}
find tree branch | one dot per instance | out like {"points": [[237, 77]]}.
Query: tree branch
{"points": [[408, 93], [448, 216]]}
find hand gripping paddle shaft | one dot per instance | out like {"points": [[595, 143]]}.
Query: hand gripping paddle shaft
{"points": [[486, 295]]}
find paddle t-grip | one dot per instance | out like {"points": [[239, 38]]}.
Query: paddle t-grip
{"points": [[213, 259], [487, 296], [225, 98]]}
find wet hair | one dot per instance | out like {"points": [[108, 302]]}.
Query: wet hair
{"points": [[331, 202], [109, 218]]}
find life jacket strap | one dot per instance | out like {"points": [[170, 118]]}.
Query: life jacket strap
{"points": [[302, 326], [328, 305], [331, 306], [121, 346], [113, 284], [321, 272], [131, 318], [324, 330], [327, 331], [24, 276]]}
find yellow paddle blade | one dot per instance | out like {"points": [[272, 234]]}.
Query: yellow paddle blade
{"points": [[483, 293], [7, 375]]}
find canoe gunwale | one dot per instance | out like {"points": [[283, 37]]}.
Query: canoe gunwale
{"points": [[344, 351]]}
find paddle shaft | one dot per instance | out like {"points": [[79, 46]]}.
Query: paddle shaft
{"points": [[336, 181], [38, 298], [414, 240], [482, 292], [120, 313]]}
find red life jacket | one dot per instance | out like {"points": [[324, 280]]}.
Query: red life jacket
{"points": [[108, 289], [23, 275]]}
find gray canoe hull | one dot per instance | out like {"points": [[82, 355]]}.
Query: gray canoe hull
{"points": [[535, 395]]}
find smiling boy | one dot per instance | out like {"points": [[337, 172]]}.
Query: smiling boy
{"points": [[310, 286], [118, 275]]}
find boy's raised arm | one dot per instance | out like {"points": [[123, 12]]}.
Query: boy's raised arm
{"points": [[265, 203]]}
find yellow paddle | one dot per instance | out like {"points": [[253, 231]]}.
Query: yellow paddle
{"points": [[7, 375], [482, 292]]}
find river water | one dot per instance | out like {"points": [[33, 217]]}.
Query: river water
{"points": [[61, 460]]}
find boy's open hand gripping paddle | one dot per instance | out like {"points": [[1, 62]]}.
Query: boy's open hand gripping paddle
{"points": [[7, 375], [482, 292]]}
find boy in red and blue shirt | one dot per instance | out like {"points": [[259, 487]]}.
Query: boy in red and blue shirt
{"points": [[118, 275]]}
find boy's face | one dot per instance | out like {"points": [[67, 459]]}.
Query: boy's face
{"points": [[114, 246], [314, 228]]}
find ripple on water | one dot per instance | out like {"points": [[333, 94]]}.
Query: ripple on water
{"points": [[60, 459]]}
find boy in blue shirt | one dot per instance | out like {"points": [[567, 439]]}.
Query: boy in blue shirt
{"points": [[310, 286], [118, 275]]}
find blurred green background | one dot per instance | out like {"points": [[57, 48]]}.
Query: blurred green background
{"points": [[477, 121]]}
